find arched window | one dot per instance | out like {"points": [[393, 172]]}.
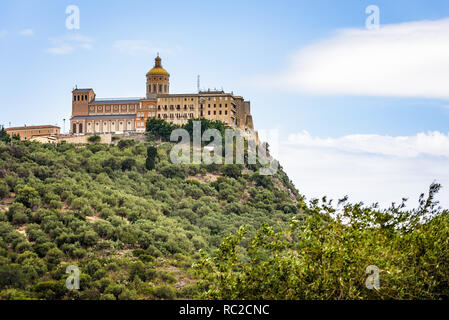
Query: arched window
{"points": [[165, 88], [74, 128], [160, 88], [81, 128], [154, 88]]}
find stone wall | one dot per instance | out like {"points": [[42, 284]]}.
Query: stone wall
{"points": [[105, 138]]}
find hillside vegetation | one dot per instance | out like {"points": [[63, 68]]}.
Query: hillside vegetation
{"points": [[139, 227], [133, 232]]}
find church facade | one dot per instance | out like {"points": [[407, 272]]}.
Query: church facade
{"points": [[94, 116]]}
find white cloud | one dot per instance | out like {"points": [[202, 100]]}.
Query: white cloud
{"points": [[27, 32], [368, 168], [399, 60], [69, 44]]}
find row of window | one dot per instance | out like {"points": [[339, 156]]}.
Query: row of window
{"points": [[192, 99], [80, 97], [155, 87], [142, 114], [219, 98], [178, 115], [215, 105], [176, 99], [146, 107], [177, 107], [191, 106], [215, 112], [112, 123], [175, 115], [78, 128], [31, 132], [116, 108], [160, 78]]}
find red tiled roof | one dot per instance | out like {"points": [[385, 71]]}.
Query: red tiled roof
{"points": [[32, 127]]}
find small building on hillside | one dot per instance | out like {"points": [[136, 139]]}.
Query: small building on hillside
{"points": [[45, 139], [28, 132]]}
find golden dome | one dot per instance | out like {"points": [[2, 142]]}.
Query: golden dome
{"points": [[158, 70]]}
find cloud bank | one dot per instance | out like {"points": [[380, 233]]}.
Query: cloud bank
{"points": [[368, 168], [397, 60]]}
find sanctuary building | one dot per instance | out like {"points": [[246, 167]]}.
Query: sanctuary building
{"points": [[91, 115]]}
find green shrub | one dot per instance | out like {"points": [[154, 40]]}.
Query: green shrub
{"points": [[165, 292], [125, 143], [108, 296], [54, 256], [28, 196], [232, 170], [55, 204], [94, 139], [128, 164], [11, 275], [4, 189]]}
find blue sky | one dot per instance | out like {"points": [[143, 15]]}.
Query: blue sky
{"points": [[252, 48]]}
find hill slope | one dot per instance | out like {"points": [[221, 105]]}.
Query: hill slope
{"points": [[134, 233]]}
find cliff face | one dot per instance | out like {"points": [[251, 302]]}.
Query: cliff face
{"points": [[132, 232]]}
